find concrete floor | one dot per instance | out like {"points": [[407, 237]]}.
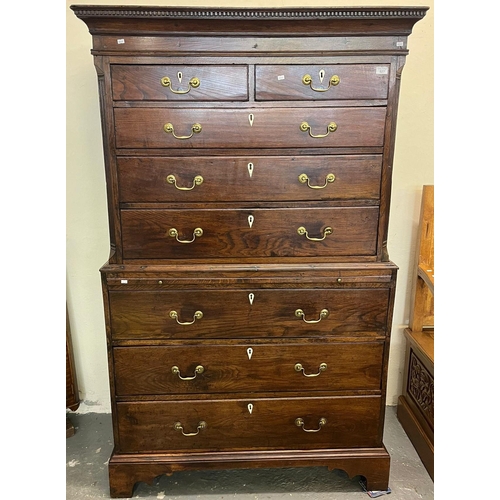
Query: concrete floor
{"points": [[88, 451]]}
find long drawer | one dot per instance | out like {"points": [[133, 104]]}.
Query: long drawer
{"points": [[251, 178], [226, 313], [212, 368], [220, 233], [232, 424], [249, 128]]}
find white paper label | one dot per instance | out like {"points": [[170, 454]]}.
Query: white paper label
{"points": [[281, 77], [123, 282], [399, 44], [382, 70], [120, 41]]}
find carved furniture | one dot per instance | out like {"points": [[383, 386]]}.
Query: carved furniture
{"points": [[416, 404], [249, 293]]}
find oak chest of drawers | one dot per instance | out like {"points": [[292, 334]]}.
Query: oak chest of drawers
{"points": [[248, 294]]}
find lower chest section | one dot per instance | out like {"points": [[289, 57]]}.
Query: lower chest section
{"points": [[219, 358]]}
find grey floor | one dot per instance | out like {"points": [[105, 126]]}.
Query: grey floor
{"points": [[88, 451]]}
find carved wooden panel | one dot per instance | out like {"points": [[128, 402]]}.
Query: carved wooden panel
{"points": [[421, 387]]}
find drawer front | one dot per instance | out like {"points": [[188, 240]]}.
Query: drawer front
{"points": [[251, 178], [247, 368], [249, 128], [180, 234], [151, 426], [336, 81], [158, 314], [179, 83]]}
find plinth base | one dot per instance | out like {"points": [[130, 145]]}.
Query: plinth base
{"points": [[125, 470]]}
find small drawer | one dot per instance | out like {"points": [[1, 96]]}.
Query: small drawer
{"points": [[138, 128], [230, 424], [226, 313], [225, 233], [179, 83], [250, 178], [336, 81], [247, 367]]}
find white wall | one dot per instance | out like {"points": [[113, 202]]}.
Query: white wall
{"points": [[87, 231]]}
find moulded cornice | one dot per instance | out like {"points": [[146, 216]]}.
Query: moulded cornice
{"points": [[138, 12]]}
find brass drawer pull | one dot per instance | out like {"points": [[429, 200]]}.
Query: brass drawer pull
{"points": [[334, 80], [303, 231], [322, 315], [305, 127], [175, 315], [175, 234], [322, 368], [303, 179], [193, 83], [169, 129], [197, 370], [197, 181], [299, 422], [201, 425]]}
